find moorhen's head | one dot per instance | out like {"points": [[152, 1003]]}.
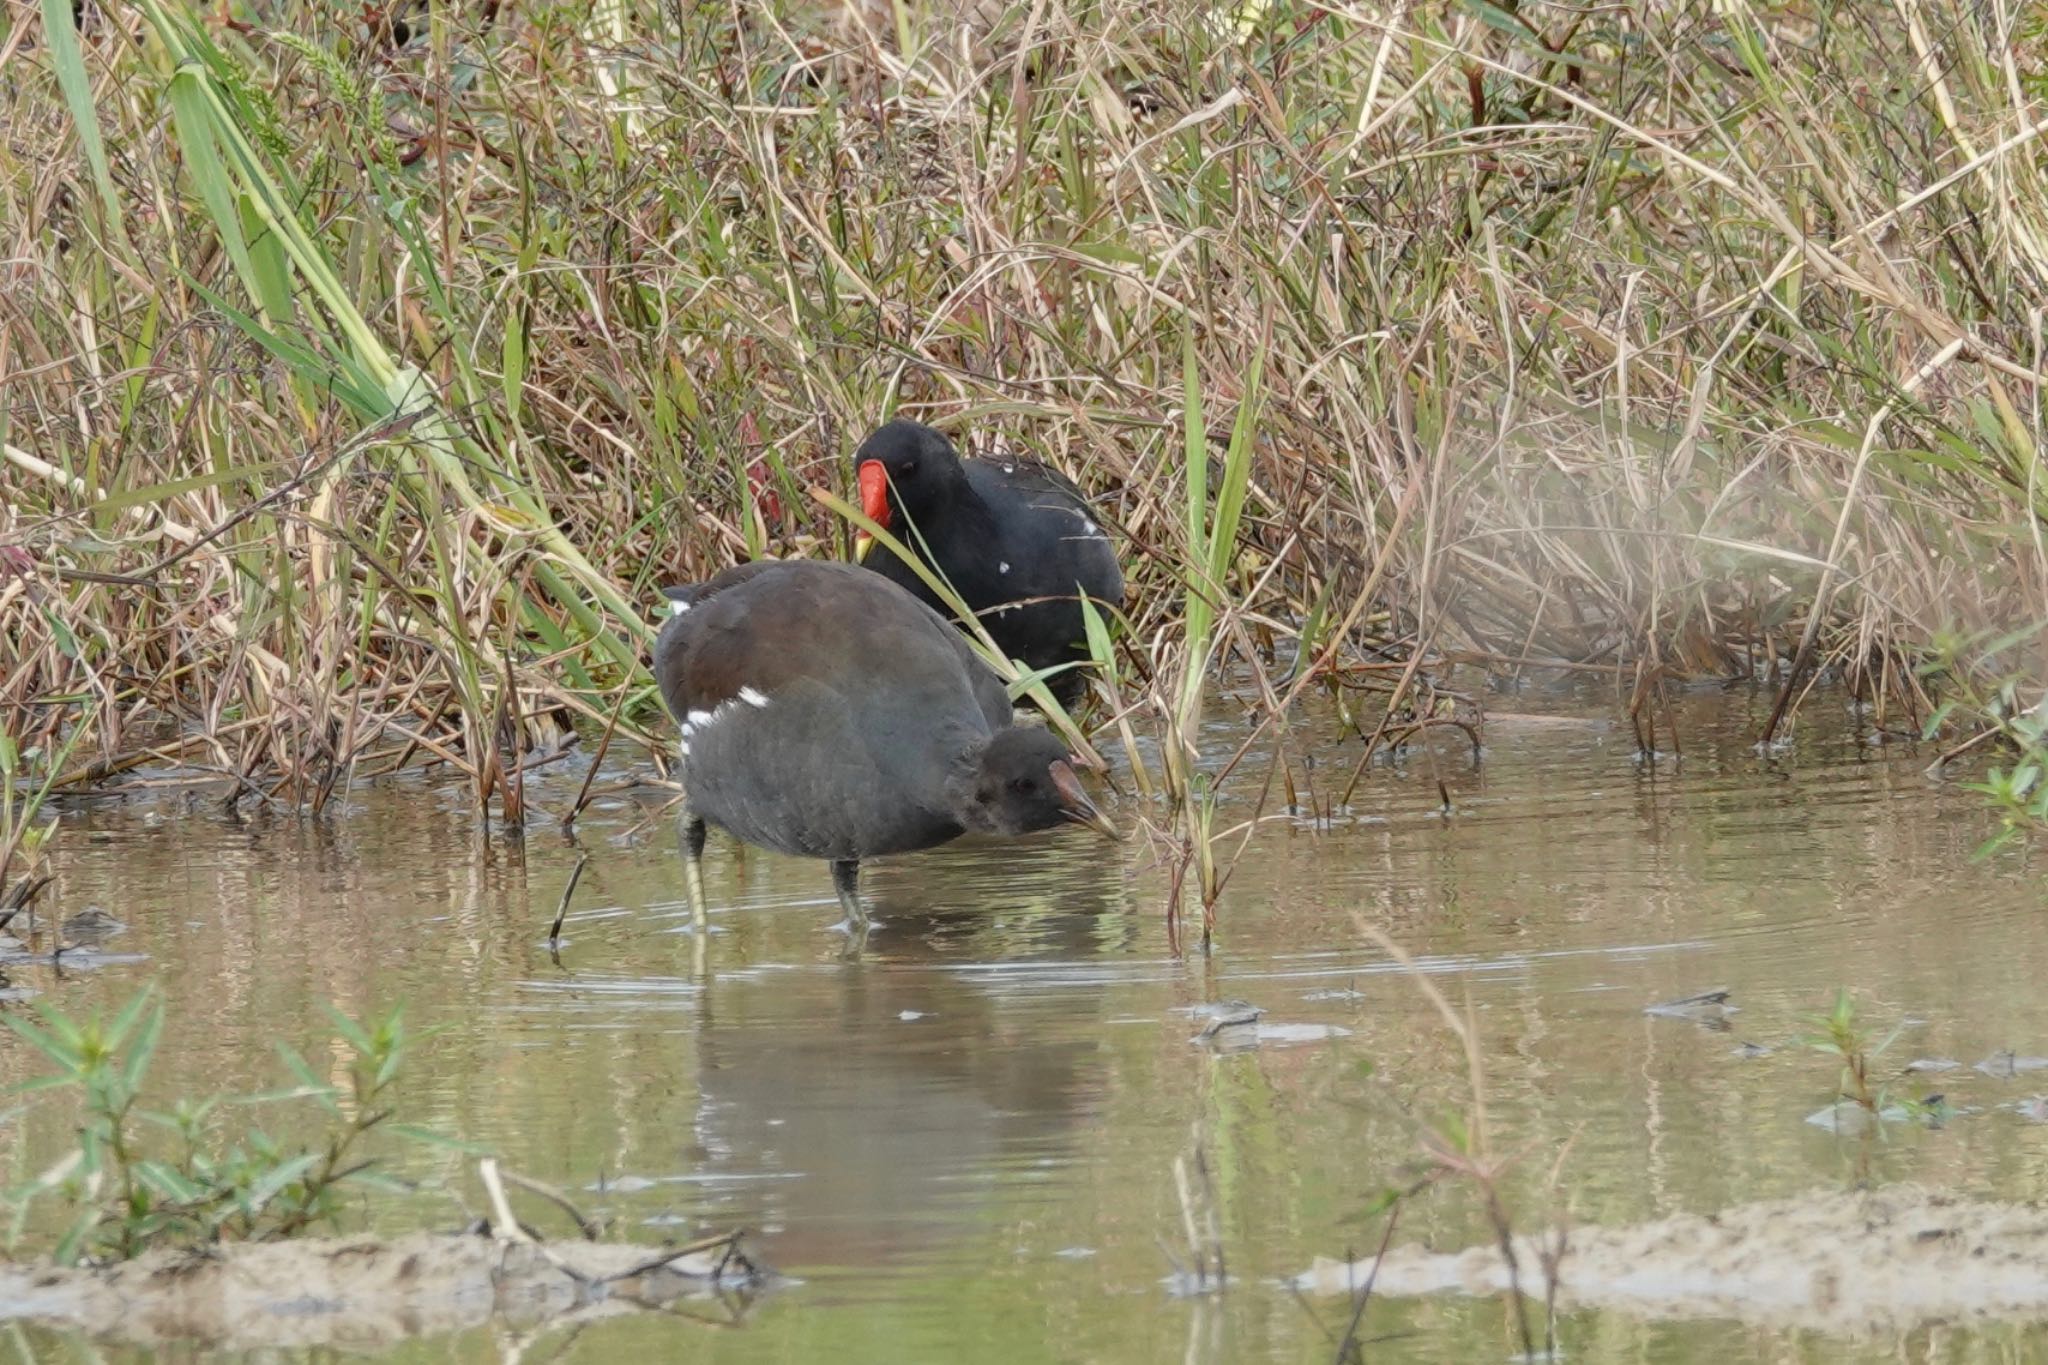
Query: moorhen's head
{"points": [[905, 467], [1024, 780]]}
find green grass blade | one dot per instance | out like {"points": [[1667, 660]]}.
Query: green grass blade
{"points": [[203, 167], [1194, 450], [67, 59]]}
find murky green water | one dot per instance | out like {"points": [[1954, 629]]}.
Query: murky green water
{"points": [[962, 1144]]}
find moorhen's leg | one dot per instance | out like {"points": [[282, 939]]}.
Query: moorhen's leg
{"points": [[846, 881], [690, 831]]}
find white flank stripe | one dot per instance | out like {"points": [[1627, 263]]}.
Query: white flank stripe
{"points": [[753, 698]]}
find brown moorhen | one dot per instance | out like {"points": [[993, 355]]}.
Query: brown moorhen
{"points": [[828, 713], [1013, 537]]}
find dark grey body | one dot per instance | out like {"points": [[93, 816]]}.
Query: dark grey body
{"points": [[803, 773]]}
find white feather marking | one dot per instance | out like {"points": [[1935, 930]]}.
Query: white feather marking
{"points": [[1003, 567], [677, 606], [686, 748], [697, 722]]}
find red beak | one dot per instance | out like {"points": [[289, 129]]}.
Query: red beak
{"points": [[874, 493]]}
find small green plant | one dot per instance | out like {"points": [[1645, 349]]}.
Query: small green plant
{"points": [[2018, 797], [27, 777], [1842, 1035], [2016, 793], [140, 1178], [1999, 713]]}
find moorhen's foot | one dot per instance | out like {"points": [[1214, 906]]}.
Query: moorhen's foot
{"points": [[855, 945], [846, 881]]}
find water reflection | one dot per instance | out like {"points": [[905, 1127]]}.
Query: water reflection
{"points": [[874, 1106]]}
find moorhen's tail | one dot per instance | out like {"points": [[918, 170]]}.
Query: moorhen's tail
{"points": [[683, 596]]}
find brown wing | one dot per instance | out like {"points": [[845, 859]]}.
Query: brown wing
{"points": [[682, 686]]}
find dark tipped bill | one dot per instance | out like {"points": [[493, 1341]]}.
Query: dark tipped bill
{"points": [[1075, 805]]}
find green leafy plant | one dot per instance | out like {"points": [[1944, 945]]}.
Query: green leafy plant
{"points": [[2015, 791], [1999, 713], [2019, 798], [27, 777], [1842, 1035], [141, 1177]]}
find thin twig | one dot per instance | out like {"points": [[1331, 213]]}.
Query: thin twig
{"points": [[562, 910]]}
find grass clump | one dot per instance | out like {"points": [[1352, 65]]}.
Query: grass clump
{"points": [[361, 387], [142, 1177]]}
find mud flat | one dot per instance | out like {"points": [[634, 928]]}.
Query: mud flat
{"points": [[365, 1292], [1851, 1264]]}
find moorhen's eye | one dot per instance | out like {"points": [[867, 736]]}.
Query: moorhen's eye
{"points": [[907, 470], [1023, 786]]}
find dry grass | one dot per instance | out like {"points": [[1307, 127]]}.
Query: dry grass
{"points": [[1643, 340]]}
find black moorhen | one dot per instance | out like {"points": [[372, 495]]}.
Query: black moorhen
{"points": [[828, 713], [1013, 537]]}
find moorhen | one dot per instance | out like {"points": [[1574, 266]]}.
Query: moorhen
{"points": [[1013, 537], [828, 713]]}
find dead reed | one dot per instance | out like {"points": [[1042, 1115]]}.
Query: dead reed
{"points": [[356, 392]]}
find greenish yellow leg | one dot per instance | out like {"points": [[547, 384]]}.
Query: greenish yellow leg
{"points": [[692, 833]]}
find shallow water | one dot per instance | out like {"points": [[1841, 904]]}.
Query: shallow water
{"points": [[962, 1144]]}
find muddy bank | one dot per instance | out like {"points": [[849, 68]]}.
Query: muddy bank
{"points": [[1851, 1264], [365, 1293]]}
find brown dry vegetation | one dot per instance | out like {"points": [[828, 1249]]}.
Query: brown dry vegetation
{"points": [[356, 394]]}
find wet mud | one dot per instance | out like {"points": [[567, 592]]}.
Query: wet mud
{"points": [[365, 1293], [1861, 1264]]}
